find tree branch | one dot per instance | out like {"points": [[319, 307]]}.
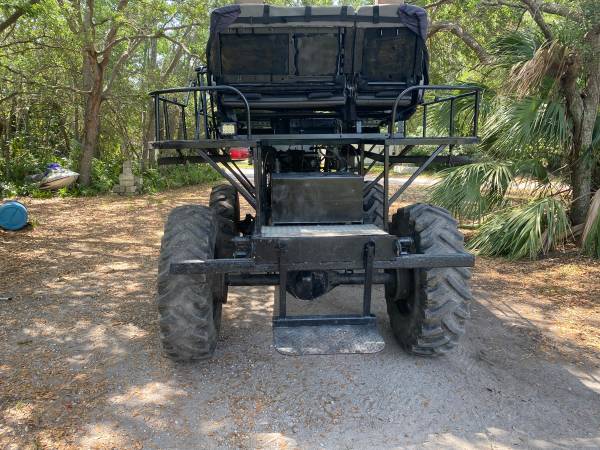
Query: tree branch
{"points": [[119, 64], [112, 33], [154, 35], [561, 10], [469, 40], [11, 95], [436, 4], [175, 60], [186, 50], [536, 13], [16, 14], [35, 40], [549, 8], [74, 25], [45, 84]]}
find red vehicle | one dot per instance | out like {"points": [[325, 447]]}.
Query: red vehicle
{"points": [[239, 154]]}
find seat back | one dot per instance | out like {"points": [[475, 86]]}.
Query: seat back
{"points": [[303, 59], [390, 56], [284, 58]]}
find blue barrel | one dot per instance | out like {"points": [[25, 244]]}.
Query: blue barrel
{"points": [[13, 215]]}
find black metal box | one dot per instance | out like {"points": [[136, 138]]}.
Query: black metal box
{"points": [[316, 198]]}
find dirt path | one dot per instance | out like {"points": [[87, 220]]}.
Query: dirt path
{"points": [[81, 367]]}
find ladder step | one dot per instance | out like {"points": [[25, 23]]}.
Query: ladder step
{"points": [[326, 338]]}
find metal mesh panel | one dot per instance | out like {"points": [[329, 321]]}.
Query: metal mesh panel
{"points": [[316, 54], [389, 55], [254, 54]]}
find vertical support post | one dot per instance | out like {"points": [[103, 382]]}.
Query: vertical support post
{"points": [[156, 117], [183, 124], [166, 119], [196, 117], [476, 113], [361, 148], [282, 309], [451, 131], [258, 186], [368, 288], [204, 104], [386, 184]]}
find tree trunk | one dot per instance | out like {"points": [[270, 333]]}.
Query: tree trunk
{"points": [[582, 110], [581, 168], [581, 183], [4, 147], [148, 135], [91, 123]]}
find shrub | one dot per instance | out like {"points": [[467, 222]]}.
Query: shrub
{"points": [[524, 231]]}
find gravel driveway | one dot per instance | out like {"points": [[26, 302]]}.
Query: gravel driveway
{"points": [[81, 366]]}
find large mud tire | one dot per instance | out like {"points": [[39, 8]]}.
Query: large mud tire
{"points": [[428, 308], [373, 205], [225, 201], [190, 315]]}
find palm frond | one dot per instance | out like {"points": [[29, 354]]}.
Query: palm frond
{"points": [[547, 62], [515, 47], [518, 125], [525, 231], [591, 230], [534, 169], [473, 190]]}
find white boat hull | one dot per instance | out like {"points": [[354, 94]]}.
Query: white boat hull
{"points": [[58, 182]]}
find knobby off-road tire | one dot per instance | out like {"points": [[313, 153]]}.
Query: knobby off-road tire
{"points": [[373, 205], [225, 202], [428, 314], [190, 315]]}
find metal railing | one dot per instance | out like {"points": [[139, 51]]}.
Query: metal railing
{"points": [[200, 110], [472, 91]]}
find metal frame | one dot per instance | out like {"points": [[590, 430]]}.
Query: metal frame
{"points": [[206, 143], [268, 261]]}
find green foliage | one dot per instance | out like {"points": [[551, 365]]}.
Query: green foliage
{"points": [[524, 231], [473, 190], [512, 227], [170, 177], [527, 136], [529, 126], [515, 47], [105, 174]]}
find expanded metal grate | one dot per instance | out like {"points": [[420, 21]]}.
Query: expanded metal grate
{"points": [[288, 231]]}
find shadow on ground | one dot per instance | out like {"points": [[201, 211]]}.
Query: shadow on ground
{"points": [[81, 366]]}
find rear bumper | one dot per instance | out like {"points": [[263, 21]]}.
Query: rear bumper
{"points": [[251, 266], [285, 248]]}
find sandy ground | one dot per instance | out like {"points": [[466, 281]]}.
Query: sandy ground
{"points": [[81, 366]]}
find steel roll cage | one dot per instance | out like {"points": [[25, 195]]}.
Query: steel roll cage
{"points": [[208, 148]]}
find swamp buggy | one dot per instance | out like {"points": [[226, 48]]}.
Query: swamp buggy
{"points": [[320, 96]]}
